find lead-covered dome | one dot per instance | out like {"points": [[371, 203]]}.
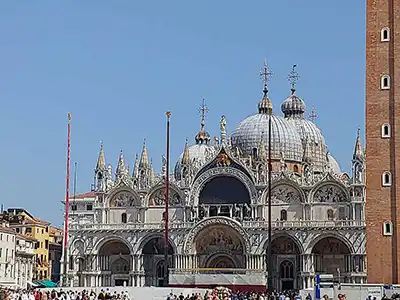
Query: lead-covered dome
{"points": [[195, 154], [285, 140], [293, 109]]}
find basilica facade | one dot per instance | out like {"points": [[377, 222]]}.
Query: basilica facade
{"points": [[218, 209]]}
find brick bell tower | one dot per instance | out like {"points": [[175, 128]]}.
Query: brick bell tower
{"points": [[383, 141]]}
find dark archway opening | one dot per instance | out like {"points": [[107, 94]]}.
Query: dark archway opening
{"points": [[286, 263], [115, 258], [224, 190], [332, 256], [225, 196], [153, 261]]}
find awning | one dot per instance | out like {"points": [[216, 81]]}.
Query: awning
{"points": [[47, 283], [32, 284]]}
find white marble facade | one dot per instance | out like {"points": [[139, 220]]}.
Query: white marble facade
{"points": [[218, 209]]}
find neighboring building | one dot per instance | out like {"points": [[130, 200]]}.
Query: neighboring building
{"points": [[218, 210], [7, 256], [382, 141], [24, 260], [55, 252], [24, 223]]}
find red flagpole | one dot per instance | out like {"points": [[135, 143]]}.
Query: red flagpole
{"points": [[67, 195], [166, 216]]}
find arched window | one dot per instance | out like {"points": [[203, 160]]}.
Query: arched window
{"points": [[295, 169], [386, 179], [283, 215], [385, 82], [330, 214], [387, 228], [385, 130], [123, 218], [385, 34]]}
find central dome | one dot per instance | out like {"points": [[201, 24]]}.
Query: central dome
{"points": [[285, 141]]}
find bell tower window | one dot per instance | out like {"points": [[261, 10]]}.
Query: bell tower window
{"points": [[386, 131], [386, 179], [385, 82], [387, 228], [385, 34]]}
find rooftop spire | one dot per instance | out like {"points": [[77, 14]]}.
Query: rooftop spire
{"points": [[186, 157], [202, 136], [358, 150], [293, 77], [265, 105], [144, 160], [135, 172], [121, 164], [101, 161]]}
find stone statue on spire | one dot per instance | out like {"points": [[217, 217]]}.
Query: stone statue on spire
{"points": [[222, 124]]}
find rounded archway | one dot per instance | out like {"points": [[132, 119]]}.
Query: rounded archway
{"points": [[153, 261], [331, 256], [115, 259], [220, 247], [285, 263], [225, 196], [224, 190]]}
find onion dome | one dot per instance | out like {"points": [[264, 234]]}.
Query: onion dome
{"points": [[293, 109], [293, 106], [285, 139]]}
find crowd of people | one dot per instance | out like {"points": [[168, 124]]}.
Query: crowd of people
{"points": [[8, 294], [107, 294]]}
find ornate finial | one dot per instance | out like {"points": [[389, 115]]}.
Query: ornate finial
{"points": [[69, 116], [313, 115], [168, 114], [203, 111], [265, 75], [358, 132], [293, 77]]}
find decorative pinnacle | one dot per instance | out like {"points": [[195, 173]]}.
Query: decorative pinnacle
{"points": [[69, 116], [265, 75], [168, 114], [313, 115], [203, 111], [293, 77]]}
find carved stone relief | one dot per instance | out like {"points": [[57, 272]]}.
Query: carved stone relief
{"points": [[158, 197], [124, 199], [190, 241], [285, 194], [329, 194]]}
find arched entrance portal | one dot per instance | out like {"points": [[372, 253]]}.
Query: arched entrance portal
{"points": [[153, 261], [225, 196], [332, 256], [115, 258], [286, 263], [220, 247]]}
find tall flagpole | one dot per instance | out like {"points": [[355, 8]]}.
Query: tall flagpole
{"points": [[166, 216], [267, 106], [67, 200]]}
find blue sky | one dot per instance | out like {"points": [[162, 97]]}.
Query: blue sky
{"points": [[119, 65]]}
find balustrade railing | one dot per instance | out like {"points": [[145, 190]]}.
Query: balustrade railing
{"points": [[246, 224]]}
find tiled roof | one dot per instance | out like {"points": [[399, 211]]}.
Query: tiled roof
{"points": [[7, 230], [91, 194]]}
